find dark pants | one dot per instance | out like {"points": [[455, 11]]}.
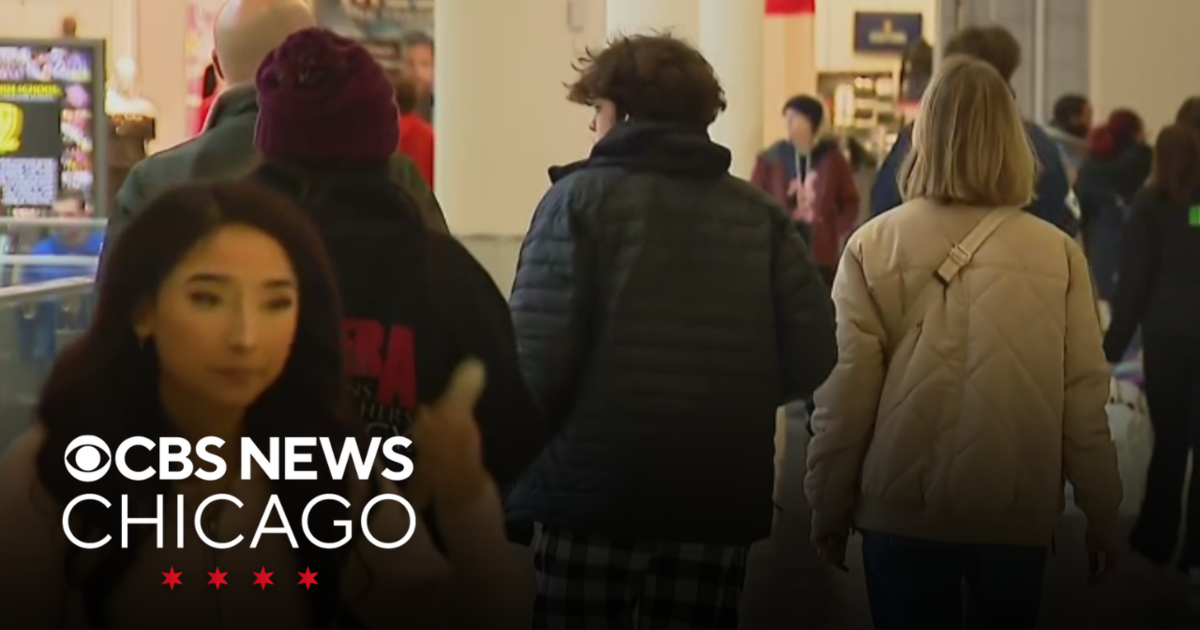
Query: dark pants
{"points": [[918, 584], [1172, 369]]}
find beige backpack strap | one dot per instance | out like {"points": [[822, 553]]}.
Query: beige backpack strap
{"points": [[959, 257], [962, 253]]}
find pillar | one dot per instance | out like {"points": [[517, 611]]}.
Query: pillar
{"points": [[789, 59], [123, 43], [680, 17], [501, 116], [731, 37]]}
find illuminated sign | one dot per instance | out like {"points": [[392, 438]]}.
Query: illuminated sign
{"points": [[888, 33], [12, 123], [52, 123]]}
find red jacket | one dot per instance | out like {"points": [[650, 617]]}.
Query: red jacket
{"points": [[416, 143], [835, 208]]}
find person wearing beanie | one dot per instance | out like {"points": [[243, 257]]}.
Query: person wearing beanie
{"points": [[245, 32], [416, 302], [324, 99], [809, 175]]}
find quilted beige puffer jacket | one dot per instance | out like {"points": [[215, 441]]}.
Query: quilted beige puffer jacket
{"points": [[961, 428]]}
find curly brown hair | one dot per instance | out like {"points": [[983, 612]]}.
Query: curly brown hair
{"points": [[994, 45], [651, 77]]}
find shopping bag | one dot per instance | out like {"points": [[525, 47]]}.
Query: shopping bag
{"points": [[1129, 426]]}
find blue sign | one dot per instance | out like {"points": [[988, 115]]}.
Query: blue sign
{"points": [[887, 33]]}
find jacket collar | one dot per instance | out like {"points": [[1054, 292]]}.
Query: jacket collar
{"points": [[236, 102], [655, 147]]}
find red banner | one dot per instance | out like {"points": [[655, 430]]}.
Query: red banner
{"points": [[790, 7]]}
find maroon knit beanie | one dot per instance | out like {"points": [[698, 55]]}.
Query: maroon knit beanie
{"points": [[324, 98]]}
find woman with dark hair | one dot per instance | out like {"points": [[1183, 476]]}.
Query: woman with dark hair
{"points": [[1160, 292], [220, 319], [1114, 170], [1189, 113], [416, 302]]}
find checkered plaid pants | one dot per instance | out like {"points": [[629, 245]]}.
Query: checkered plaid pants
{"points": [[587, 582]]}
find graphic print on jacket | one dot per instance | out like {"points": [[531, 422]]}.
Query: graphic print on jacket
{"points": [[383, 366], [415, 303]]}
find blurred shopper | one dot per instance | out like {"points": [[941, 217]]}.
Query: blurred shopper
{"points": [[997, 47], [664, 309], [1160, 292], [245, 31], [418, 57], [808, 175], [416, 302], [1115, 169], [1069, 129], [866, 167], [39, 333], [71, 240], [221, 320], [1189, 113], [416, 135], [966, 384]]}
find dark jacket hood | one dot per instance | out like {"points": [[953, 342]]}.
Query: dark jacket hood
{"points": [[657, 148]]}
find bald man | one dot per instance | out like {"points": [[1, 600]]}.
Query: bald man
{"points": [[245, 32]]}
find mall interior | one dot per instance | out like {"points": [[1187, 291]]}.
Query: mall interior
{"points": [[133, 85]]}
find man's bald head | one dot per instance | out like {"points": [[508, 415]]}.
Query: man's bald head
{"points": [[247, 30]]}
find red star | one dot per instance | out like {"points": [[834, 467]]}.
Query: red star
{"points": [[172, 578], [263, 578], [308, 578], [218, 578]]}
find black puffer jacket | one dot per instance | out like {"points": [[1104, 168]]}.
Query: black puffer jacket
{"points": [[663, 309]]}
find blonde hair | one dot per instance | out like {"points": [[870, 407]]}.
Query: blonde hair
{"points": [[969, 143]]}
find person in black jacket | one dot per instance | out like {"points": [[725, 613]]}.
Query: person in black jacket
{"points": [[417, 303], [1160, 291], [664, 309], [1116, 167]]}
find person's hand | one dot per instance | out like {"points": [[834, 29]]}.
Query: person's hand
{"points": [[831, 546], [447, 441], [1104, 553]]}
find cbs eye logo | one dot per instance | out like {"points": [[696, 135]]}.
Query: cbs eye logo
{"points": [[87, 458]]}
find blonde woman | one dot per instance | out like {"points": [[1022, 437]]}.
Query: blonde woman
{"points": [[970, 376]]}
